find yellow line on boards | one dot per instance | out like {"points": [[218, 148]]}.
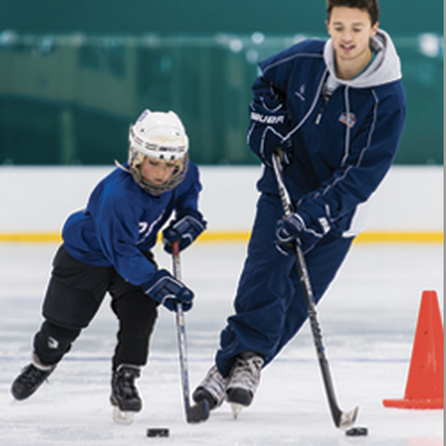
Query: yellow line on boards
{"points": [[32, 237], [400, 237], [243, 236]]}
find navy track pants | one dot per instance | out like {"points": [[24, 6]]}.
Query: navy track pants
{"points": [[269, 304]]}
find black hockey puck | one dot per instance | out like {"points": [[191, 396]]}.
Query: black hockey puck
{"points": [[357, 432], [158, 432]]}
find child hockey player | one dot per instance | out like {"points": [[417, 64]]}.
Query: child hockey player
{"points": [[336, 109], [107, 248]]}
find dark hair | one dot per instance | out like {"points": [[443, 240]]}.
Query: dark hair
{"points": [[371, 6]]}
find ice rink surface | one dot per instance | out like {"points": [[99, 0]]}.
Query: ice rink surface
{"points": [[368, 318]]}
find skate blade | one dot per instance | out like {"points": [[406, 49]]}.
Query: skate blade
{"points": [[236, 409], [122, 417]]}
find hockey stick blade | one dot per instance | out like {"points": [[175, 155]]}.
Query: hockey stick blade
{"points": [[198, 412], [347, 419]]}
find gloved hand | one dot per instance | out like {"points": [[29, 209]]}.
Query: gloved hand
{"points": [[295, 229], [271, 125], [185, 231], [168, 291]]}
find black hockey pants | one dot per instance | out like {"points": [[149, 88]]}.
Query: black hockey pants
{"points": [[75, 293]]}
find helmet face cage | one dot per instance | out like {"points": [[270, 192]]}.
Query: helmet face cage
{"points": [[157, 189]]}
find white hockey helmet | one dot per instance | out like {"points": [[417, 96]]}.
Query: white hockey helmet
{"points": [[159, 135]]}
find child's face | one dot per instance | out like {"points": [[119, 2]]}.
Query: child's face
{"points": [[350, 30], [157, 171]]}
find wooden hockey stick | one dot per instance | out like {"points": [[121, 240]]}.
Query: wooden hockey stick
{"points": [[341, 419]]}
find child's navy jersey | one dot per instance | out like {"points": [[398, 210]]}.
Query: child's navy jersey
{"points": [[121, 220]]}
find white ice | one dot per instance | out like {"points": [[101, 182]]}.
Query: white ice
{"points": [[368, 319]]}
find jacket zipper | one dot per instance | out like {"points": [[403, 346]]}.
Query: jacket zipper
{"points": [[324, 101]]}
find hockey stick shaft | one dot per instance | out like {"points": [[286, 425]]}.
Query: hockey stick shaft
{"points": [[199, 412], [341, 419], [181, 331]]}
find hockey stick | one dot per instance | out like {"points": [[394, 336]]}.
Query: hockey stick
{"points": [[341, 419], [198, 412]]}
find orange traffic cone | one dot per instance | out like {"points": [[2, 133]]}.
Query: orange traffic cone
{"points": [[424, 388]]}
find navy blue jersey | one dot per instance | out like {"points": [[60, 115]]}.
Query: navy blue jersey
{"points": [[121, 221]]}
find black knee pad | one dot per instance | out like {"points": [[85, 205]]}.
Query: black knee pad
{"points": [[53, 341]]}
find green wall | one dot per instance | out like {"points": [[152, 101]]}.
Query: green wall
{"points": [[74, 75], [203, 16]]}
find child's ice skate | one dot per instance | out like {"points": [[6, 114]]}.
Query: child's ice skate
{"points": [[125, 397]]}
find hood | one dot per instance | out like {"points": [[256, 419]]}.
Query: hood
{"points": [[385, 68]]}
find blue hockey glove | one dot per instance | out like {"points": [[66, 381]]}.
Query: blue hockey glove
{"points": [[185, 231], [168, 291], [295, 229]]}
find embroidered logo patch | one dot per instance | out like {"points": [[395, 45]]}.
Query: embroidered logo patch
{"points": [[348, 119], [53, 344]]}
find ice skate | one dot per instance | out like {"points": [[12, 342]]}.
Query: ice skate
{"points": [[212, 389], [243, 381], [31, 378], [125, 397]]}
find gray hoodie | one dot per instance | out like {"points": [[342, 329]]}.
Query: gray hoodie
{"points": [[385, 68]]}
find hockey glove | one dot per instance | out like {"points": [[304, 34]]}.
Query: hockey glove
{"points": [[168, 291], [295, 229], [269, 127], [185, 231]]}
